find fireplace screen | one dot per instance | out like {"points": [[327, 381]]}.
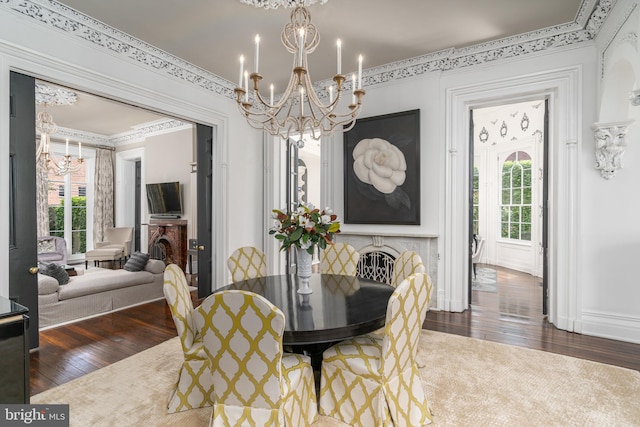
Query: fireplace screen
{"points": [[376, 265]]}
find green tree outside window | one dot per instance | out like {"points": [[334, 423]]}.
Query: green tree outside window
{"points": [[515, 207]]}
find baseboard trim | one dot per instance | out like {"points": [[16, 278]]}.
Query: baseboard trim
{"points": [[612, 326]]}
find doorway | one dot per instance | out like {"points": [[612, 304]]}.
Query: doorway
{"points": [[508, 189]]}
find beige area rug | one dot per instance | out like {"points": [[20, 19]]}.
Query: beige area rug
{"points": [[468, 382]]}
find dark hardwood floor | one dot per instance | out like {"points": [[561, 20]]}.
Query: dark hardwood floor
{"points": [[511, 315]]}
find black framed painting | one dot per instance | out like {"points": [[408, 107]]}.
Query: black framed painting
{"points": [[382, 170]]}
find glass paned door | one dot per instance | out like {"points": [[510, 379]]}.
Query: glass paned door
{"points": [[67, 200]]}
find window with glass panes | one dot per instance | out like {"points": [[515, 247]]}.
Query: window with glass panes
{"points": [[68, 209], [515, 206], [476, 200]]}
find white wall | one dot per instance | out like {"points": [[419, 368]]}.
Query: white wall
{"points": [[599, 261], [610, 227], [64, 57]]}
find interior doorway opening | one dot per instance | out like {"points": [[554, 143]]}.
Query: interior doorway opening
{"points": [[508, 188]]}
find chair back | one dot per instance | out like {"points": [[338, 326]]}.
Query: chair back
{"points": [[477, 252], [176, 291], [242, 335], [407, 263], [247, 262], [405, 316], [339, 258], [52, 249], [120, 235]]}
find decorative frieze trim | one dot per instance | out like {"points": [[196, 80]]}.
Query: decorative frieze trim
{"points": [[82, 136], [63, 18], [142, 132], [147, 130], [610, 145]]}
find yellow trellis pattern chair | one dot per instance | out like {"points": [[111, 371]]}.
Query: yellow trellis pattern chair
{"points": [[374, 380], [247, 262], [406, 264], [339, 258], [193, 388], [254, 382]]}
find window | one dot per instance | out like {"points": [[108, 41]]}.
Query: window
{"points": [[68, 209], [476, 200], [515, 206]]}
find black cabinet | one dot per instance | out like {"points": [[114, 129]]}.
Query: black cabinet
{"points": [[14, 352]]}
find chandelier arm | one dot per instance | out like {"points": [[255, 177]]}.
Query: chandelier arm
{"points": [[300, 108]]}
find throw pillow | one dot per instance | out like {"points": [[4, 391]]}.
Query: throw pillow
{"points": [[136, 261], [56, 271], [46, 246]]}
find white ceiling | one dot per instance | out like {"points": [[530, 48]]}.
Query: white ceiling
{"points": [[212, 34]]}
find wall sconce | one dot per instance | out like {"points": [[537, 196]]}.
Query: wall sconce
{"points": [[610, 146]]}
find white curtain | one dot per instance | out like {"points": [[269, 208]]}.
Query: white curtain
{"points": [[103, 194], [42, 193]]}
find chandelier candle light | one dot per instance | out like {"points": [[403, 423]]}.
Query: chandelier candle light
{"points": [[48, 95], [59, 166], [299, 109]]}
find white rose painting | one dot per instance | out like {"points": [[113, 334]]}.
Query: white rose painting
{"points": [[379, 163], [382, 167]]}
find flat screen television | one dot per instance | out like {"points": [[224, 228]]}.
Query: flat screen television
{"points": [[164, 200]]}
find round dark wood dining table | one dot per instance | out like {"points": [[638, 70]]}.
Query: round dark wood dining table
{"points": [[338, 307]]}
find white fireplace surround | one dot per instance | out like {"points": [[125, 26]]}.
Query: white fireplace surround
{"points": [[425, 245]]}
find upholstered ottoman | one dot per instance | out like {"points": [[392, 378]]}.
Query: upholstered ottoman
{"points": [[103, 254]]}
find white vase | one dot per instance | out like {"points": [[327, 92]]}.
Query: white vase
{"points": [[303, 263]]}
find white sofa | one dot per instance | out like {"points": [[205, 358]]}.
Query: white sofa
{"points": [[97, 291]]}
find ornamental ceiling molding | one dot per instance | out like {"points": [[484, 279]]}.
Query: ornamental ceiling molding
{"points": [[62, 18], [54, 95], [155, 128], [143, 132]]}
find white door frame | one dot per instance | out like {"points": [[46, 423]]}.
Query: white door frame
{"points": [[562, 87]]}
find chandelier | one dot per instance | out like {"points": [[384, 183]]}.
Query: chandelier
{"points": [[48, 95], [299, 109]]}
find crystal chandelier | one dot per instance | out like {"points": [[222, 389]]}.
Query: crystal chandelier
{"points": [[299, 109], [47, 95]]}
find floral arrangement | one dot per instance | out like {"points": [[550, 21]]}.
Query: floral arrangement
{"points": [[305, 227]]}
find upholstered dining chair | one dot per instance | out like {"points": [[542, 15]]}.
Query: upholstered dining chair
{"points": [[254, 382], [406, 264], [193, 387], [247, 262], [478, 249], [339, 258], [373, 379]]}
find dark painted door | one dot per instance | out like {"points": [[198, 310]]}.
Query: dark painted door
{"points": [[545, 213], [472, 194], [204, 152], [23, 281]]}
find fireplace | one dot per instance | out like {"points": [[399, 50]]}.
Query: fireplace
{"points": [[379, 250], [168, 241]]}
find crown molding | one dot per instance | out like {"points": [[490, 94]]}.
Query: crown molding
{"points": [[139, 134], [588, 22]]}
